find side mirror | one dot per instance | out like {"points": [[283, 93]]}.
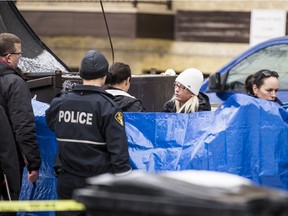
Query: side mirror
{"points": [[215, 81]]}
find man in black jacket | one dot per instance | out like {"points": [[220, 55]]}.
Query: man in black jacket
{"points": [[89, 128], [8, 160], [15, 99]]}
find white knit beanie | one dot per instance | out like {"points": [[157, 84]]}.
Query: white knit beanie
{"points": [[192, 79]]}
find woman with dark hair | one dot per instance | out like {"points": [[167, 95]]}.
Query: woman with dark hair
{"points": [[118, 81], [263, 84]]}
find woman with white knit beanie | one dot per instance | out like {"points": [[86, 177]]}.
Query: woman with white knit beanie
{"points": [[187, 98]]}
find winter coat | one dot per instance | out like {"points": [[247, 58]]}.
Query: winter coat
{"points": [[127, 102], [15, 99], [8, 158], [204, 104], [90, 131]]}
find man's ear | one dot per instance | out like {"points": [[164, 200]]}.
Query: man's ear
{"points": [[127, 81], [7, 58]]}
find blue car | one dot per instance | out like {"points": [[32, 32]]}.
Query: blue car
{"points": [[230, 79]]}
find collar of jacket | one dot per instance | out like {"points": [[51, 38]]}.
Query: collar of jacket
{"points": [[95, 89], [118, 92], [4, 67]]}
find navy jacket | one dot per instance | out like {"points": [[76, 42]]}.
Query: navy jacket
{"points": [[90, 131]]}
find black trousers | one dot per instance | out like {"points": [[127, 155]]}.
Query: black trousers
{"points": [[4, 194], [67, 183]]}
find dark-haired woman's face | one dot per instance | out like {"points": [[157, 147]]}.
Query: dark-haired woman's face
{"points": [[268, 90]]}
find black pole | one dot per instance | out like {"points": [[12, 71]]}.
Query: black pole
{"points": [[107, 28]]}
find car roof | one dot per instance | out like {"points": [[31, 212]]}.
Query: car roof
{"points": [[245, 54]]}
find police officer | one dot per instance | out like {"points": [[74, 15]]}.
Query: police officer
{"points": [[89, 128]]}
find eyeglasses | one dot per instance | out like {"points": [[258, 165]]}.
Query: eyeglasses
{"points": [[14, 53], [179, 86], [265, 73]]}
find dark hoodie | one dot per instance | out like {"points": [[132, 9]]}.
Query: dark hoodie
{"points": [[127, 102]]}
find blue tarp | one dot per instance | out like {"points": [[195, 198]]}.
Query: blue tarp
{"points": [[245, 136], [45, 188]]}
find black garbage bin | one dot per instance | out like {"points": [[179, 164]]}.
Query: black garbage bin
{"points": [[183, 193]]}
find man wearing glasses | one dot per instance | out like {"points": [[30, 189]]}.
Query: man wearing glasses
{"points": [[15, 99]]}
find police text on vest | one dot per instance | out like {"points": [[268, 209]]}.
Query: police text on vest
{"points": [[75, 117]]}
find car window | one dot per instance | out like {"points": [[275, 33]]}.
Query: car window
{"points": [[272, 58]]}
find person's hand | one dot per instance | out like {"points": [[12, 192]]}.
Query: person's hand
{"points": [[33, 176]]}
